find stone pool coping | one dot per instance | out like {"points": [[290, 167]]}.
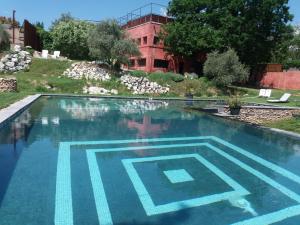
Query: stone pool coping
{"points": [[12, 110]]}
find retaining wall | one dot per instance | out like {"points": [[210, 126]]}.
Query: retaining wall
{"points": [[8, 84], [281, 80]]}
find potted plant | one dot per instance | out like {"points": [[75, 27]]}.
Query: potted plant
{"points": [[189, 91], [235, 105]]}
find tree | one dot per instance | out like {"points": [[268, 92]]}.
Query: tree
{"points": [[9, 20], [70, 37], [64, 17], [110, 44], [294, 48], [253, 28], [225, 68], [45, 36], [4, 39]]}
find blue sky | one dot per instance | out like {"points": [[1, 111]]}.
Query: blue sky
{"points": [[48, 10]]}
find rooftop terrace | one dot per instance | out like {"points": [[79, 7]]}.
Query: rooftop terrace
{"points": [[149, 13]]}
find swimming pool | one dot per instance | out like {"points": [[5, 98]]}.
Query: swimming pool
{"points": [[68, 161]]}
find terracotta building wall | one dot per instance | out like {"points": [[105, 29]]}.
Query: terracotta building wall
{"points": [[281, 80], [144, 35]]}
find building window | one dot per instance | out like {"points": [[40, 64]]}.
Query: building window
{"points": [[142, 62], [132, 63], [158, 63], [139, 41], [145, 40], [156, 40]]}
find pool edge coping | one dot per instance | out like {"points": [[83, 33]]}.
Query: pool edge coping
{"points": [[16, 107]]}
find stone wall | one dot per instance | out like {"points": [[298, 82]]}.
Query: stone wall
{"points": [[8, 84], [261, 115]]}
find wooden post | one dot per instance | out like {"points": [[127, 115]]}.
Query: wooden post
{"points": [[13, 25]]}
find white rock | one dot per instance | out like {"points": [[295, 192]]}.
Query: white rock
{"points": [[114, 91], [17, 48]]}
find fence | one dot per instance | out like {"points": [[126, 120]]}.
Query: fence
{"points": [[31, 37]]}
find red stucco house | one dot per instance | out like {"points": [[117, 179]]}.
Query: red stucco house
{"points": [[144, 26]]}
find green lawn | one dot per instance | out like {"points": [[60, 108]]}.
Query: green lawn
{"points": [[252, 97], [286, 124]]}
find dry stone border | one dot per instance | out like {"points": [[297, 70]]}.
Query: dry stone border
{"points": [[260, 115], [141, 85], [15, 61], [8, 84], [88, 71]]}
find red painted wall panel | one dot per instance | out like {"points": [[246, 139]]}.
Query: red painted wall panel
{"points": [[150, 51], [281, 80]]}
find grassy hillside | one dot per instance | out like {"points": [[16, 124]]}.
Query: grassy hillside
{"points": [[45, 76]]}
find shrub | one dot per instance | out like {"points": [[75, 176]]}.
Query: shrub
{"points": [[225, 68], [4, 39], [138, 73], [163, 78], [70, 37], [292, 64], [234, 102]]}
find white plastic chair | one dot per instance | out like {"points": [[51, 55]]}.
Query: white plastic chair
{"points": [[262, 93], [45, 54], [56, 54], [268, 93]]}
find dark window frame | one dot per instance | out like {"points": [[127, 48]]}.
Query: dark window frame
{"points": [[145, 40], [156, 40], [161, 63], [142, 62]]}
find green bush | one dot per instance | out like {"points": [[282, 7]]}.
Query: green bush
{"points": [[291, 64], [225, 68], [138, 73], [4, 39], [70, 38], [164, 78]]}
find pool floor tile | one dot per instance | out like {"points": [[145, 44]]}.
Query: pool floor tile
{"points": [[178, 176]]}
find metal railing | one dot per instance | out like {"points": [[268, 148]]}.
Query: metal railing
{"points": [[151, 10]]}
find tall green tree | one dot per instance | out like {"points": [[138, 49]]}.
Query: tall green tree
{"points": [[110, 44], [64, 17], [252, 28], [4, 39], [45, 36], [70, 37]]}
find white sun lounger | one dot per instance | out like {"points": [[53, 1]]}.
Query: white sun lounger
{"points": [[283, 99]]}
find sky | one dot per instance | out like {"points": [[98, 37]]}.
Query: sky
{"points": [[48, 10]]}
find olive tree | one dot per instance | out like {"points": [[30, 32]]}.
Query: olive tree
{"points": [[70, 37], [110, 44], [225, 68], [4, 39]]}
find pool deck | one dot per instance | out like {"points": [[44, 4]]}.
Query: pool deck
{"points": [[16, 107]]}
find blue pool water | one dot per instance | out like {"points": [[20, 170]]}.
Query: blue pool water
{"points": [[80, 161]]}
